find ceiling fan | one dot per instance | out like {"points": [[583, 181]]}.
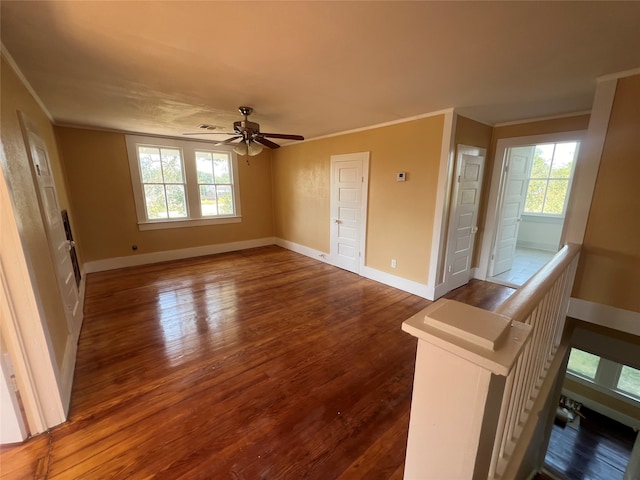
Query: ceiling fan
{"points": [[250, 138]]}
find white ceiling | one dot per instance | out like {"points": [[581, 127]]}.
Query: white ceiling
{"points": [[314, 68]]}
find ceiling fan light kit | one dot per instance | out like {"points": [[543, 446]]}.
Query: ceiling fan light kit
{"points": [[250, 139]]}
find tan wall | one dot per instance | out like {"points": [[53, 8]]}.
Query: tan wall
{"points": [[17, 172], [100, 183], [472, 133], [540, 127], [609, 269], [400, 215]]}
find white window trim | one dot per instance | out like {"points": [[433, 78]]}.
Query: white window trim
{"points": [[569, 184], [605, 381], [188, 149]]}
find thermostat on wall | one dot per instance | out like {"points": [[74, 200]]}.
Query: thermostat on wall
{"points": [[401, 176]]}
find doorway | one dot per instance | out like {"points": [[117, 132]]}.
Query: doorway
{"points": [[530, 190], [349, 189]]}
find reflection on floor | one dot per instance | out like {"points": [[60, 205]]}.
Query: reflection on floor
{"points": [[599, 448], [526, 262]]}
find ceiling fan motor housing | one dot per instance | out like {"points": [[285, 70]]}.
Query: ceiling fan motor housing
{"points": [[246, 126]]}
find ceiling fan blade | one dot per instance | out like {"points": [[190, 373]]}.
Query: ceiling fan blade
{"points": [[283, 135], [266, 143], [210, 133], [227, 141]]}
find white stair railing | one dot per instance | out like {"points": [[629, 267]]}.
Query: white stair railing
{"points": [[541, 303], [483, 373]]}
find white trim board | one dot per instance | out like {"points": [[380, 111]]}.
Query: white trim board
{"points": [[400, 283], [303, 250], [605, 315], [164, 256]]}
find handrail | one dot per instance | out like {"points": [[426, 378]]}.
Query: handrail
{"points": [[542, 303], [519, 305]]}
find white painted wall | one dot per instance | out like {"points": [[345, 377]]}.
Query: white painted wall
{"points": [[542, 233]]}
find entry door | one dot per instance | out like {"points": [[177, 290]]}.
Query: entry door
{"points": [[349, 184], [514, 195], [52, 217], [463, 221]]}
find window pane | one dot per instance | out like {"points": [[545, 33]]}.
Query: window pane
{"points": [[176, 201], [204, 167], [221, 169], [150, 164], [556, 193], [155, 202], [629, 381], [563, 159], [583, 363], [535, 196], [225, 200], [542, 161], [208, 203], [172, 166]]}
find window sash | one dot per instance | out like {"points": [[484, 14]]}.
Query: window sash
{"points": [[194, 215]]}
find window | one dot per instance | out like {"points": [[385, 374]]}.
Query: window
{"points": [[214, 183], [163, 184], [583, 363], [605, 375], [550, 178], [180, 183], [629, 381]]}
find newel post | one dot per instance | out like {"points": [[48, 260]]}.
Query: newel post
{"points": [[464, 355]]}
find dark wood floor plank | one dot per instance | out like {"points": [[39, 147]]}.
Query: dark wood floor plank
{"points": [[246, 365]]}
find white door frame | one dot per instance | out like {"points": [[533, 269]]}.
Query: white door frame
{"points": [[490, 225], [364, 201]]}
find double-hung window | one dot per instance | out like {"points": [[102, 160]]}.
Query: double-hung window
{"points": [[550, 178], [180, 183]]}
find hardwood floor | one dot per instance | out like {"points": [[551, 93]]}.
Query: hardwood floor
{"points": [[598, 449], [258, 364]]}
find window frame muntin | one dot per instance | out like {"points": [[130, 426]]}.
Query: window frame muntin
{"points": [[188, 149], [578, 143]]}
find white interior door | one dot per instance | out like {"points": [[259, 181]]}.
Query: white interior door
{"points": [[51, 214], [349, 185], [464, 215], [514, 195]]}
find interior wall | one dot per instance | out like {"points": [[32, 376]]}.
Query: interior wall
{"points": [[540, 233], [100, 183], [17, 173], [400, 214], [472, 133], [537, 127], [609, 268]]}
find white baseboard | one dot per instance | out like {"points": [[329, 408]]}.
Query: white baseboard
{"points": [[419, 289], [156, 257], [400, 283], [547, 247], [303, 250], [605, 315]]}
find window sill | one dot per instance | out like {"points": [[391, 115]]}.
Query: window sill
{"points": [[162, 225], [624, 397]]}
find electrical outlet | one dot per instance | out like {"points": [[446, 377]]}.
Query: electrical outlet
{"points": [[393, 263]]}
